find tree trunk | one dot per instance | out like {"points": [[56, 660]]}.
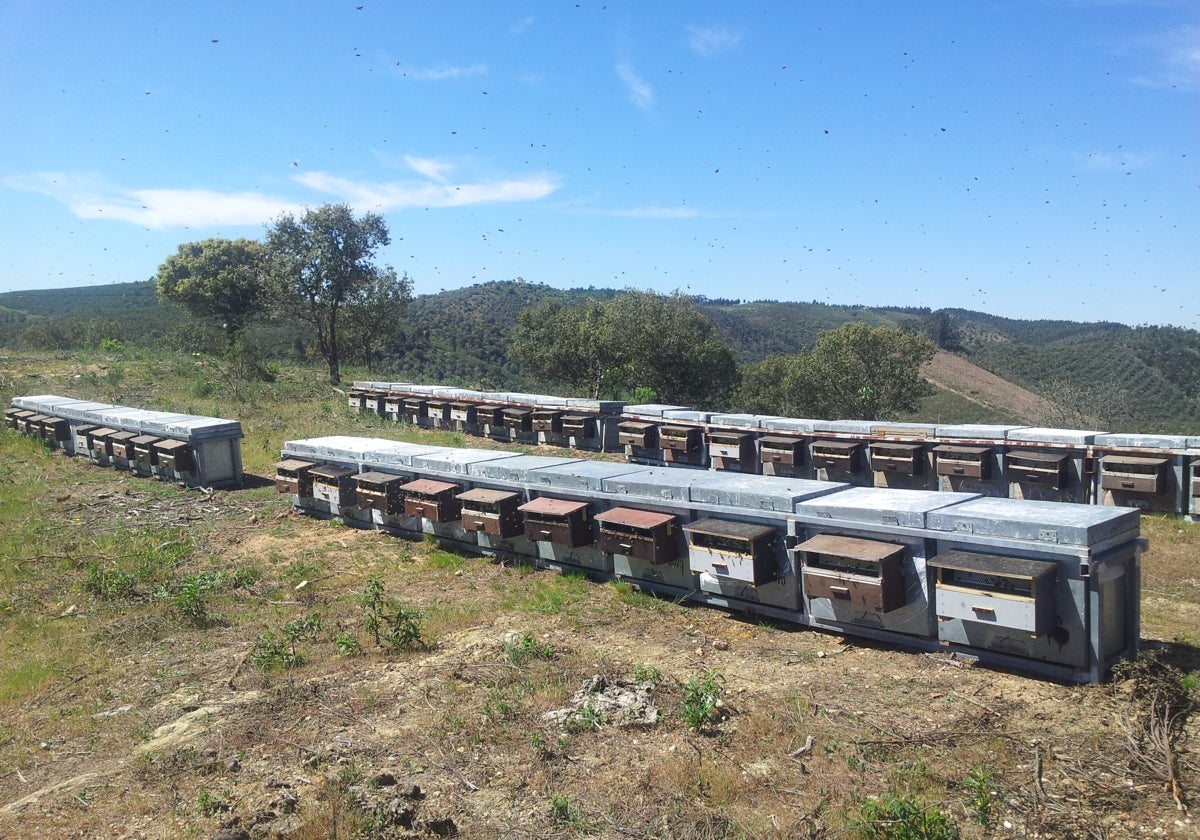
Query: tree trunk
{"points": [[335, 371]]}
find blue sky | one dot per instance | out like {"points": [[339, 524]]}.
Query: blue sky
{"points": [[1033, 159]]}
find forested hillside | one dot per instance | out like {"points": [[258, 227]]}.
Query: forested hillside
{"points": [[1108, 374], [1148, 377]]}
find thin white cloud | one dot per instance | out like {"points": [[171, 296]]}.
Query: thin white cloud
{"points": [[710, 41], [640, 91], [436, 74], [1100, 161], [93, 197], [432, 169], [521, 25], [655, 212], [400, 195], [1176, 54]]}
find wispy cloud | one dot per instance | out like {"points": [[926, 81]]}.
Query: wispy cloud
{"points": [[400, 195], [90, 196], [519, 27], [435, 170], [639, 89], [655, 212], [445, 72], [93, 197], [710, 41], [1100, 161], [1176, 55]]}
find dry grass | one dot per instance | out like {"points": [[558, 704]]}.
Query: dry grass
{"points": [[121, 718]]}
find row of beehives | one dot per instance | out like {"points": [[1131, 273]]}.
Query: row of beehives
{"points": [[199, 451], [1151, 472], [1044, 587]]}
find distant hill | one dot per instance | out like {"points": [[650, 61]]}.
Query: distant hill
{"points": [[135, 307], [1100, 375]]}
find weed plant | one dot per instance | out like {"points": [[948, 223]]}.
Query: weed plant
{"points": [[701, 699]]}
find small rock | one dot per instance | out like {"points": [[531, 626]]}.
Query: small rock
{"points": [[721, 644], [384, 779]]}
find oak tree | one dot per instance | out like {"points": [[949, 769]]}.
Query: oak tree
{"points": [[637, 340], [218, 280], [322, 264]]}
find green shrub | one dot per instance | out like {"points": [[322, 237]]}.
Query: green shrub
{"points": [[702, 698], [902, 816], [527, 647], [393, 626]]}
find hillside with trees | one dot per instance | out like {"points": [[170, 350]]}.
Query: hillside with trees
{"points": [[1098, 375]]}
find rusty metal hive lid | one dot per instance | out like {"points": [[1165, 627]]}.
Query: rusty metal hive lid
{"points": [[635, 518], [428, 487], [551, 507], [484, 495]]}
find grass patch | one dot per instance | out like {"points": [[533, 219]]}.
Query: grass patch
{"points": [[21, 679]]}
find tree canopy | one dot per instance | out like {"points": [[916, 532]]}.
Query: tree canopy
{"points": [[219, 280], [854, 372], [322, 266], [636, 340]]}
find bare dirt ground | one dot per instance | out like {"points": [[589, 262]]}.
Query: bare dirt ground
{"points": [[956, 374], [172, 729], [263, 707]]}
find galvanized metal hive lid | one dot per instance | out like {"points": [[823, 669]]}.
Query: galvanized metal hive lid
{"points": [[580, 475], [457, 460], [1133, 441], [844, 427], [394, 453], [652, 483], [50, 403], [341, 447], [794, 425], [1039, 435], [517, 467], [597, 406], [881, 505], [758, 492], [687, 415], [188, 425], [1064, 523], [904, 430], [742, 421], [975, 431], [121, 416], [82, 410]]}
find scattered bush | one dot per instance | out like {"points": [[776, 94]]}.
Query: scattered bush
{"points": [[902, 816], [702, 699]]}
